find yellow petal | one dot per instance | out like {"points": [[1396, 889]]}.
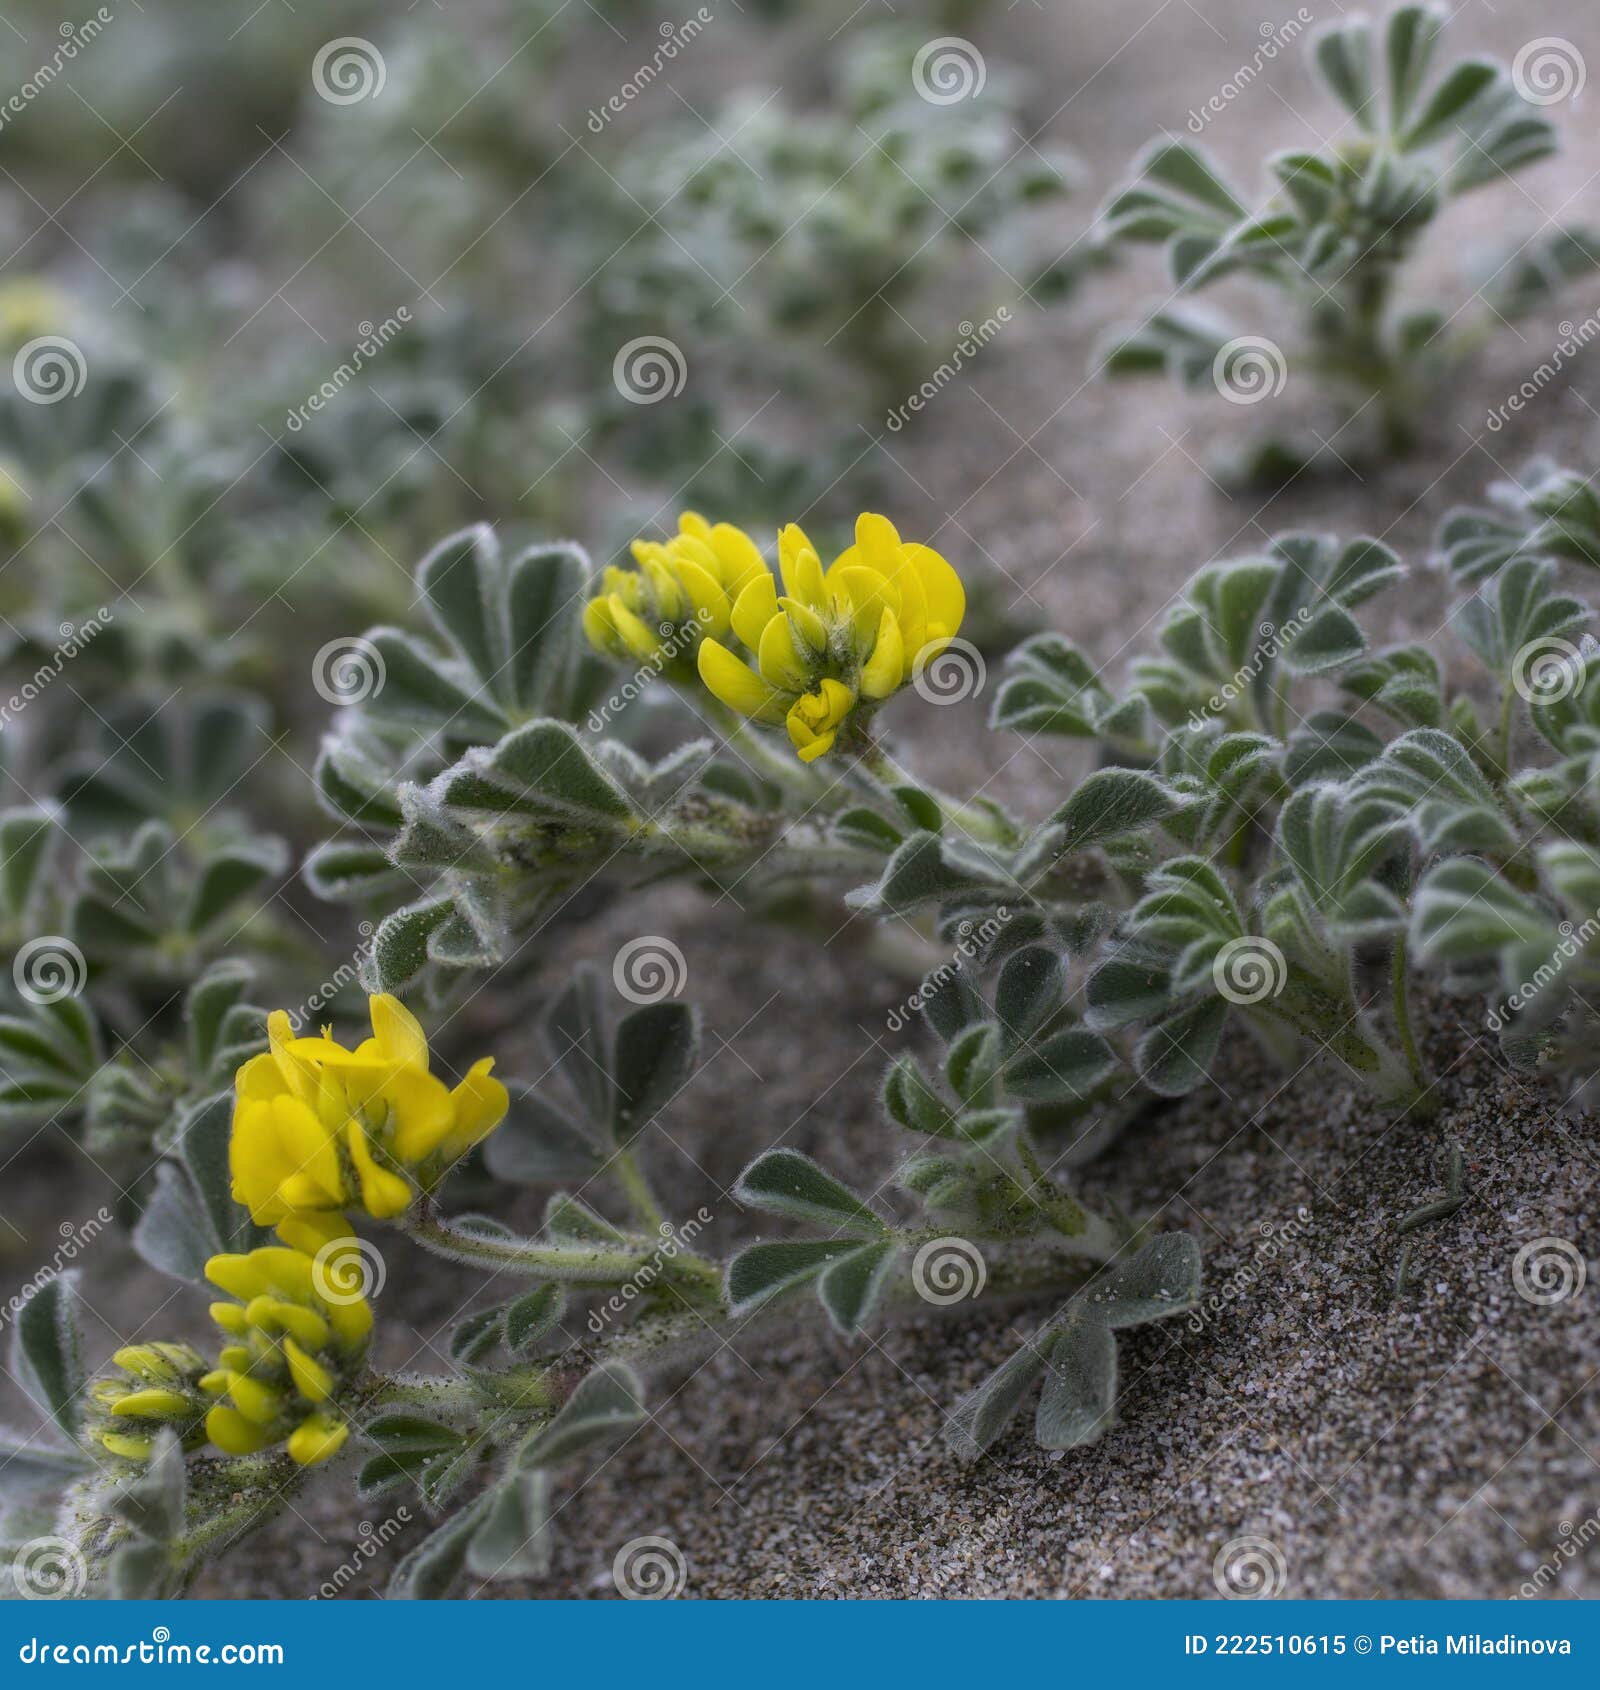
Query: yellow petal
{"points": [[240, 1276], [801, 567], [383, 1194], [754, 608], [810, 631], [231, 1318], [480, 1103], [712, 608], [422, 1116], [129, 1447], [398, 1032], [884, 671], [738, 685], [255, 1400], [155, 1403], [641, 638], [598, 628], [878, 541], [738, 554], [311, 1379], [316, 1439], [309, 1230], [232, 1433], [782, 664], [946, 598]]}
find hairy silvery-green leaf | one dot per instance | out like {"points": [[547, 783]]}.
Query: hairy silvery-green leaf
{"points": [[607, 1404], [852, 1287], [47, 1353], [428, 1571], [1050, 687], [48, 1059], [783, 1182], [1080, 1385], [929, 869], [27, 841], [652, 1056], [910, 1098], [1028, 992], [191, 1214], [1429, 774], [762, 1272], [537, 1142], [1066, 1066], [513, 1539], [1076, 1353], [1464, 910], [1111, 802]]}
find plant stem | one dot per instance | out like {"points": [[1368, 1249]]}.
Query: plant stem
{"points": [[1401, 998], [641, 1199]]}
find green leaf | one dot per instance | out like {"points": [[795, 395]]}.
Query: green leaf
{"points": [[783, 1182], [531, 1319], [459, 581], [1080, 1386], [514, 1539], [428, 1571], [1111, 802], [851, 1289], [1028, 992], [549, 759], [47, 1352], [984, 1415], [607, 1404], [910, 1099], [652, 1059], [1067, 1067], [762, 1272], [537, 1144], [1458, 90]]}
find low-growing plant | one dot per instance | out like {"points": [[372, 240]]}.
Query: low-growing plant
{"points": [[1286, 825], [1337, 237]]}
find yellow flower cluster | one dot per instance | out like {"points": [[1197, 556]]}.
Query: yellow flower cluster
{"points": [[681, 591], [832, 643], [319, 1129], [159, 1389], [297, 1331]]}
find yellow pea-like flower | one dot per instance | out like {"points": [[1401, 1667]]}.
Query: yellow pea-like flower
{"points": [[319, 1129], [833, 642], [156, 1388], [297, 1332], [678, 592]]}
